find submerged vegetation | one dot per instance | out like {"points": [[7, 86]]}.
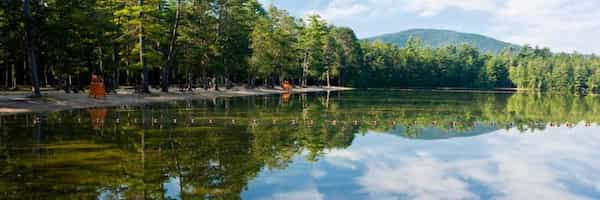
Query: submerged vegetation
{"points": [[219, 43]]}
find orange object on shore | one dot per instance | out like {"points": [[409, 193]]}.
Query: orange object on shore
{"points": [[287, 86], [97, 89]]}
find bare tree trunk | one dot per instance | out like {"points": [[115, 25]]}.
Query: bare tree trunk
{"points": [[189, 81], [13, 78], [69, 84], [24, 79], [327, 75], [31, 49], [340, 77], [215, 84], [304, 69], [145, 88], [6, 76], [165, 81], [204, 80], [115, 67], [46, 75], [100, 60]]}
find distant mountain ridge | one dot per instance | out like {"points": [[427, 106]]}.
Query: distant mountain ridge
{"points": [[438, 38]]}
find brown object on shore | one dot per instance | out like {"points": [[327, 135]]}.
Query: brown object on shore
{"points": [[97, 89], [287, 86]]}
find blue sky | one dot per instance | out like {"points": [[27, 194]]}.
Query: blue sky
{"points": [[562, 25]]}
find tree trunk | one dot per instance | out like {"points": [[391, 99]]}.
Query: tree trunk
{"points": [[115, 76], [304, 70], [189, 81], [340, 78], [215, 84], [145, 88], [24, 72], [13, 76], [327, 75], [31, 49], [69, 84], [46, 75], [6, 76], [165, 81], [100, 60], [204, 79]]}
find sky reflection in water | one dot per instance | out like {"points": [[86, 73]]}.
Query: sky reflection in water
{"points": [[556, 163]]}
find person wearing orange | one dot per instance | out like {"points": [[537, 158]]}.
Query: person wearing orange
{"points": [[287, 86], [97, 87]]}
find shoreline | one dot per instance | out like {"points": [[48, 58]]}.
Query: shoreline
{"points": [[54, 101]]}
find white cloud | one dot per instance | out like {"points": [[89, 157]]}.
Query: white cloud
{"points": [[563, 25], [415, 177], [345, 9], [310, 193], [318, 173], [510, 164], [341, 9], [434, 7]]}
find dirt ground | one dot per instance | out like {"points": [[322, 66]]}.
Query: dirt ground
{"points": [[20, 102]]}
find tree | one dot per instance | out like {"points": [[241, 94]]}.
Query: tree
{"points": [[198, 50], [594, 79], [227, 42], [349, 56], [171, 48], [331, 57], [31, 47], [262, 61], [311, 44], [145, 88]]}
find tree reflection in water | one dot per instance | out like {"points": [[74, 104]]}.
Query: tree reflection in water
{"points": [[213, 148]]}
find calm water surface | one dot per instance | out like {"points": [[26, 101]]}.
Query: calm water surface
{"points": [[373, 144]]}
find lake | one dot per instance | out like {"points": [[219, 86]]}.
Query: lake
{"points": [[373, 144]]}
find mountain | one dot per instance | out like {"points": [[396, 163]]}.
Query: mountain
{"points": [[432, 133], [439, 38]]}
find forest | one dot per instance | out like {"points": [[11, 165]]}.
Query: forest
{"points": [[214, 44]]}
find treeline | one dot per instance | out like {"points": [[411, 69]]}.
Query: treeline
{"points": [[464, 66], [221, 43], [199, 43]]}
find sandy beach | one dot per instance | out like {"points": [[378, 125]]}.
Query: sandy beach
{"points": [[20, 102]]}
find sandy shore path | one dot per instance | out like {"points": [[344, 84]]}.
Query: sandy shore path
{"points": [[19, 102]]}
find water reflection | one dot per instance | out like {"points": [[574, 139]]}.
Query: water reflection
{"points": [[499, 165], [352, 145]]}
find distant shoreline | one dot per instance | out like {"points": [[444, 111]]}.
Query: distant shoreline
{"points": [[53, 101], [457, 90], [478, 90]]}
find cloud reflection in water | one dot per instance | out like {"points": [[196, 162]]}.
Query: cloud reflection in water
{"points": [[556, 163]]}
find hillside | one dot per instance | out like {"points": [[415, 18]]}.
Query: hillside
{"points": [[439, 38]]}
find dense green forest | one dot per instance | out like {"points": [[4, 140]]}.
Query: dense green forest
{"points": [[440, 38], [223, 43]]}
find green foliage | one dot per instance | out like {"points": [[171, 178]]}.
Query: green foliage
{"points": [[221, 42], [538, 69], [312, 43], [275, 48]]}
